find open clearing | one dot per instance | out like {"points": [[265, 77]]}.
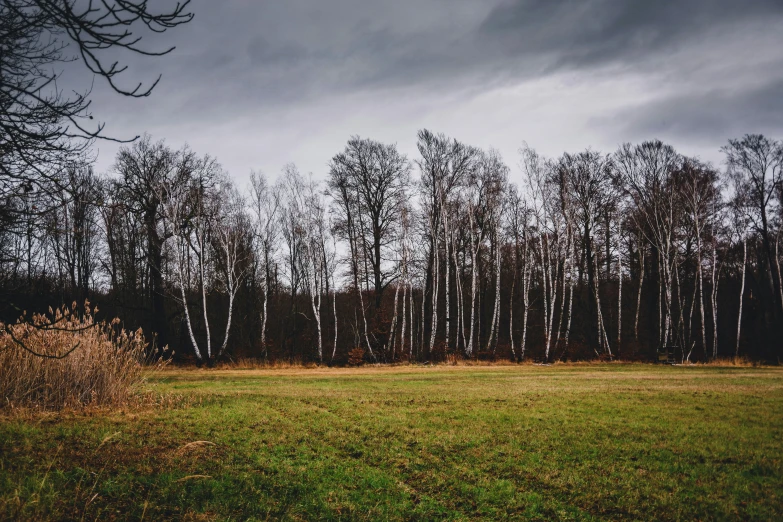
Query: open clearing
{"points": [[500, 442]]}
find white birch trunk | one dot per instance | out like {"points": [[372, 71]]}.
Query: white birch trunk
{"points": [[570, 302], [315, 303], [435, 291], [564, 291], [526, 275], [181, 274], [474, 256], [460, 300], [511, 301], [364, 320], [334, 311], [410, 311], [601, 326], [203, 283], [493, 334], [230, 250], [715, 283], [777, 262], [404, 318], [619, 292], [393, 329], [264, 314], [639, 292], [447, 260], [547, 302], [742, 292], [700, 281]]}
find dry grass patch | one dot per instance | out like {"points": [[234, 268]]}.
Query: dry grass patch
{"points": [[68, 360]]}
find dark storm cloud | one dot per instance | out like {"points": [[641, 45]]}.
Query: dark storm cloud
{"points": [[245, 60], [585, 33], [711, 117], [273, 51]]}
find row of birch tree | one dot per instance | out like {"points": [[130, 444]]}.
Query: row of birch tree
{"points": [[451, 253]]}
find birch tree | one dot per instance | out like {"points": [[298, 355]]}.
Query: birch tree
{"points": [[645, 174], [265, 206], [755, 166]]}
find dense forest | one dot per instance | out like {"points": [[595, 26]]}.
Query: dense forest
{"points": [[392, 258], [382, 257]]}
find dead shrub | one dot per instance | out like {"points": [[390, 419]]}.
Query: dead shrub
{"points": [[356, 356], [77, 362]]}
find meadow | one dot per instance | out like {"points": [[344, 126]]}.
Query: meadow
{"points": [[567, 442]]}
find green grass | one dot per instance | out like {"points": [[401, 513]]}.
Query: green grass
{"points": [[457, 443]]}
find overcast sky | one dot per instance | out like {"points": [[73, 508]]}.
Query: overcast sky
{"points": [[258, 84]]}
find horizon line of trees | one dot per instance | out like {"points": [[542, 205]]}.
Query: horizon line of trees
{"points": [[393, 258]]}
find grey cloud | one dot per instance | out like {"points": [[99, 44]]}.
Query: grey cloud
{"points": [[703, 118], [243, 60], [276, 52], [579, 33], [264, 53]]}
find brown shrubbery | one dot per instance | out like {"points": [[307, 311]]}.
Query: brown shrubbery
{"points": [[356, 356], [67, 361]]}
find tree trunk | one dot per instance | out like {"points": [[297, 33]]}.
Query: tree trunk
{"points": [[700, 281], [639, 292], [619, 293], [474, 261], [435, 292], [715, 282], [526, 275], [511, 298], [393, 329], [742, 292], [493, 333], [180, 273]]}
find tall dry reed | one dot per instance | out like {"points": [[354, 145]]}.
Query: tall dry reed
{"points": [[67, 360]]}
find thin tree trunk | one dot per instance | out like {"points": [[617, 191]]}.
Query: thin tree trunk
{"points": [[435, 291], [546, 285], [404, 318], [742, 292], [411, 310], [447, 260], [661, 341], [200, 258], [601, 327], [564, 291], [687, 334], [492, 341], [619, 293], [265, 289], [421, 326], [570, 302], [777, 262], [700, 281], [393, 329], [526, 275], [715, 282], [315, 303], [364, 320], [231, 282], [459, 274], [668, 317], [511, 298], [334, 311], [185, 303], [474, 260], [639, 293]]}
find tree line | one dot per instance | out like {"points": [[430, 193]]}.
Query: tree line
{"points": [[391, 258]]}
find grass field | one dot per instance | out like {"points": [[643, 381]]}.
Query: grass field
{"points": [[413, 443]]}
